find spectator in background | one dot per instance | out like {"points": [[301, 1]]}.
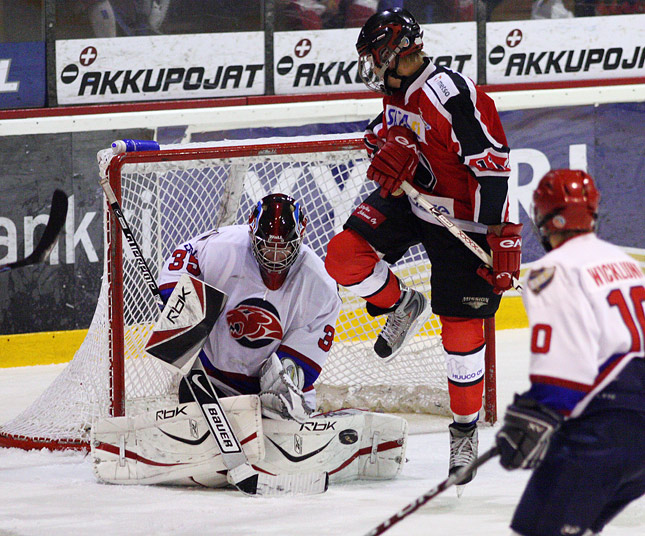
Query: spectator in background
{"points": [[111, 18], [550, 9], [620, 7], [434, 11], [101, 17], [323, 14]]}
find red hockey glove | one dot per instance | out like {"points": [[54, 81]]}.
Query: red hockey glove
{"points": [[506, 250], [396, 161]]}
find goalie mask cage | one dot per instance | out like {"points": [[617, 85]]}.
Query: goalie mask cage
{"points": [[177, 192]]}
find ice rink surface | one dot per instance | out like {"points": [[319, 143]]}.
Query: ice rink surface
{"points": [[45, 493]]}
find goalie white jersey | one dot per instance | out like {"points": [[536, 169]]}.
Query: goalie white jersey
{"points": [[297, 321], [585, 303]]}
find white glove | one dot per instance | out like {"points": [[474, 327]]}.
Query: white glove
{"points": [[279, 397]]}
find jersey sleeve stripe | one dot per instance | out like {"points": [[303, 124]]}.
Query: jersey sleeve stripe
{"points": [[558, 397], [310, 368], [166, 289], [473, 99], [286, 351], [559, 382]]}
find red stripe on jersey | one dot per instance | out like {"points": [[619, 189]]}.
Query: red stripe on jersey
{"points": [[301, 357], [549, 380]]}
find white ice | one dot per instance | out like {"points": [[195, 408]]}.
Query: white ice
{"points": [[45, 493]]}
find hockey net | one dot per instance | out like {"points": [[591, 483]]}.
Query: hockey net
{"points": [[179, 191]]}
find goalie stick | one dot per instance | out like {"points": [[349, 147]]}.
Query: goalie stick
{"points": [[454, 229], [431, 494], [183, 357], [57, 215]]}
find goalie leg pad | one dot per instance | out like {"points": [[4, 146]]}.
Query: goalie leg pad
{"points": [[172, 445], [348, 444]]}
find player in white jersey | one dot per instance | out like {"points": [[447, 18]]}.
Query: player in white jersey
{"points": [[582, 422], [271, 339], [281, 304]]}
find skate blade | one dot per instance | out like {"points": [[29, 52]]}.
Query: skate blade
{"points": [[460, 489]]}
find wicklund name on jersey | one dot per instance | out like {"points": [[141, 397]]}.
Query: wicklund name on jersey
{"points": [[160, 80]]}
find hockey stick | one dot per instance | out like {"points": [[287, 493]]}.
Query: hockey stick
{"points": [[454, 229], [181, 353], [431, 494], [132, 241], [57, 215]]}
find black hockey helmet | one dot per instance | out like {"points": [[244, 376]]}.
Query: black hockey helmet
{"points": [[384, 38], [277, 227]]}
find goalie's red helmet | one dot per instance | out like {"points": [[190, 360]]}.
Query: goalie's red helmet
{"points": [[277, 227], [384, 38], [565, 200]]}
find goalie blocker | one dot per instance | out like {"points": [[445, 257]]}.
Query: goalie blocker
{"points": [[174, 446]]}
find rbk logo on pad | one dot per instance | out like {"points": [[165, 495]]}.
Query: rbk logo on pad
{"points": [[254, 323]]}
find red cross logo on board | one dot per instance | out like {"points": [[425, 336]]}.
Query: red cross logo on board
{"points": [[88, 56], [514, 38], [302, 48]]}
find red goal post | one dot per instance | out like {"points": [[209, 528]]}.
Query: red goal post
{"points": [[179, 191]]}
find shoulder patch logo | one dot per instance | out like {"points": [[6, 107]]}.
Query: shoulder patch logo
{"points": [[539, 279], [443, 87]]}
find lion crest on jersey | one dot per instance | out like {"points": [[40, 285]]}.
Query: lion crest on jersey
{"points": [[254, 323]]}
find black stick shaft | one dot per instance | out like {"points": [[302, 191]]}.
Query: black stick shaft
{"points": [[132, 241], [431, 494]]}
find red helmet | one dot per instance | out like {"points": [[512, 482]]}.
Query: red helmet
{"points": [[277, 227], [384, 38], [565, 200]]}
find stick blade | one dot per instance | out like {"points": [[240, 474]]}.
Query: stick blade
{"points": [[57, 216], [254, 483], [292, 484]]}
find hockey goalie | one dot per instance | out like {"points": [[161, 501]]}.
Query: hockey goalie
{"points": [[248, 321]]}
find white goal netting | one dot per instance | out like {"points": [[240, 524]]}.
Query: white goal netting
{"points": [[180, 191]]}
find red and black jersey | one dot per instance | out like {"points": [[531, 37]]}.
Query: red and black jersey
{"points": [[464, 160]]}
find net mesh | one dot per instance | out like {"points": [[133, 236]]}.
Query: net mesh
{"points": [[168, 201]]}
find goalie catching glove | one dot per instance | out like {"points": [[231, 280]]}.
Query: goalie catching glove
{"points": [[506, 250], [279, 396], [525, 435], [396, 161]]}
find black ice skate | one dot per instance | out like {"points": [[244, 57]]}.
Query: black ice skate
{"points": [[464, 442], [402, 324]]}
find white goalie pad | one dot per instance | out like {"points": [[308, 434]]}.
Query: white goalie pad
{"points": [[349, 444], [173, 445]]}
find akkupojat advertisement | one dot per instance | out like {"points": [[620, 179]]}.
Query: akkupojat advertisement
{"points": [[607, 140], [584, 48], [326, 61], [127, 69]]}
